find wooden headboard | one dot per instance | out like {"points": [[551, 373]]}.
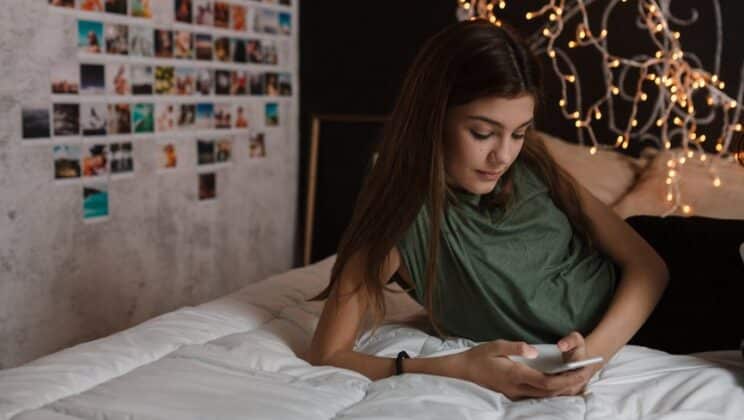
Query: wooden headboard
{"points": [[341, 153]]}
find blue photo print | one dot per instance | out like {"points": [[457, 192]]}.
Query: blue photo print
{"points": [[90, 36], [95, 201]]}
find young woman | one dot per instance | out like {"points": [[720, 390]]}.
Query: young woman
{"points": [[497, 242]]}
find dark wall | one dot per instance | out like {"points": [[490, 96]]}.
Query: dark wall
{"points": [[353, 56]]}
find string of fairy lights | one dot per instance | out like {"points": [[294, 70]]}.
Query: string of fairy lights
{"points": [[683, 98]]}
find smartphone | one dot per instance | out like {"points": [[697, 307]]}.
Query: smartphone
{"points": [[550, 360], [565, 367]]}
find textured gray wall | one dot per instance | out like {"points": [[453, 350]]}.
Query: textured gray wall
{"points": [[63, 281]]}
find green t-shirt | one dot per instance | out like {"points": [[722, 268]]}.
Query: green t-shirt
{"points": [[518, 274]]}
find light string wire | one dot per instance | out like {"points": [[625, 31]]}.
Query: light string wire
{"points": [[671, 80]]}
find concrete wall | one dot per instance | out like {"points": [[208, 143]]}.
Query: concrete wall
{"points": [[64, 281]]}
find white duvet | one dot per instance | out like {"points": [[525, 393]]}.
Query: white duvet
{"points": [[236, 357]]}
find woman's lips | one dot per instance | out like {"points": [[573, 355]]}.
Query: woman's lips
{"points": [[487, 175]]}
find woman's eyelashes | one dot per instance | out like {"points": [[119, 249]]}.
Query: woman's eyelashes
{"points": [[482, 136]]}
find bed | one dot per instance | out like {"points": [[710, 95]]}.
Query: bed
{"points": [[238, 357]]}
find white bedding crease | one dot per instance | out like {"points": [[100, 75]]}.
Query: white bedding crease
{"points": [[237, 357]]}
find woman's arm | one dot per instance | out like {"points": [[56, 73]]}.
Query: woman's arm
{"points": [[644, 277], [340, 320]]}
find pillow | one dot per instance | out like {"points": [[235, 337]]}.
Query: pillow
{"points": [[609, 175], [648, 195]]}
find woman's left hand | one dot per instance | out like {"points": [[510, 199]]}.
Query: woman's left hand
{"points": [[574, 349]]}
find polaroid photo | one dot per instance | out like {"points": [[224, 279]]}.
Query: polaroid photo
{"points": [[65, 78], [270, 52], [242, 116], [272, 114], [36, 122], [223, 150], [272, 84], [207, 186], [203, 47], [256, 145], [223, 116], [119, 119], [90, 37], [122, 158], [205, 152], [222, 82], [67, 161], [95, 160], [143, 120], [63, 3], [183, 44], [203, 12], [92, 79], [117, 82], [117, 39], [66, 119], [165, 83], [222, 49], [165, 117], [186, 117], [93, 118], [266, 21], [141, 8], [254, 51], [182, 11], [239, 82], [143, 79], [204, 116], [185, 81], [118, 7], [285, 84], [91, 5], [163, 43], [237, 48], [258, 84], [221, 14], [167, 155], [285, 23], [141, 41], [204, 82], [95, 201], [238, 17]]}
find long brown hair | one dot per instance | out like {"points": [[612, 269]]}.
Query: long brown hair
{"points": [[464, 62]]}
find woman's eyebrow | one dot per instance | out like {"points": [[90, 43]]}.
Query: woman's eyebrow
{"points": [[497, 123]]}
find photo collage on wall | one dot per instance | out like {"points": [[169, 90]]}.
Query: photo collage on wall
{"points": [[203, 74]]}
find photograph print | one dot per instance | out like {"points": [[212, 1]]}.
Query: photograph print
{"points": [[90, 36], [66, 119], [93, 118], [65, 77], [67, 161], [35, 122], [117, 39]]}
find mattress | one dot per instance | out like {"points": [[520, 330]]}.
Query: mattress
{"points": [[237, 357]]}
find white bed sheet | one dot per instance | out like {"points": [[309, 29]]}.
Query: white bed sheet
{"points": [[236, 357]]}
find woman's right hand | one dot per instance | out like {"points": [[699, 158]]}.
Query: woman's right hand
{"points": [[487, 365]]}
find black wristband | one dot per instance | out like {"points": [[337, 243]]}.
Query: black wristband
{"points": [[399, 362]]}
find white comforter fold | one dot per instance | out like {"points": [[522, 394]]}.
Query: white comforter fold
{"points": [[236, 357]]}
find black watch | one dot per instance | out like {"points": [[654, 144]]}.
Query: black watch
{"points": [[399, 362]]}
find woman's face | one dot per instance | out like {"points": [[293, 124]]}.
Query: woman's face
{"points": [[483, 138]]}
